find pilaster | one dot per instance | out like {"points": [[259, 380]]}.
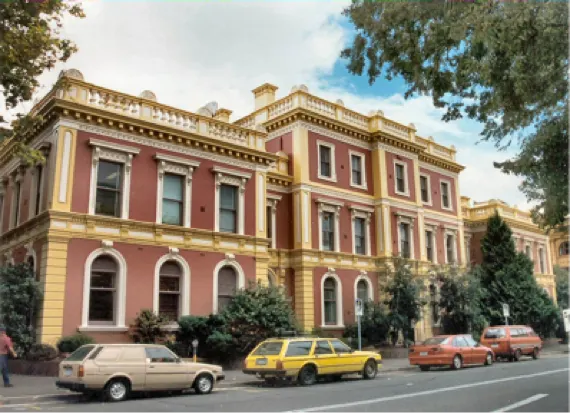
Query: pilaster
{"points": [[305, 297], [261, 203], [64, 167], [302, 219]]}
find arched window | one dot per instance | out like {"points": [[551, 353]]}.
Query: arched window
{"points": [[103, 291], [362, 291], [227, 285], [169, 290], [330, 301], [564, 249]]}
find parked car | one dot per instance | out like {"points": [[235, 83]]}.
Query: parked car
{"points": [[450, 350], [306, 359], [119, 369], [512, 342]]}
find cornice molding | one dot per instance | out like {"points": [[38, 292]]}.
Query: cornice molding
{"points": [[397, 151], [438, 170]]}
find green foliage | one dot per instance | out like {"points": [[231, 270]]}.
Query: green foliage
{"points": [[561, 287], [148, 328], [20, 299], [69, 344], [41, 352], [507, 276], [503, 65], [405, 303], [374, 325], [200, 328]]}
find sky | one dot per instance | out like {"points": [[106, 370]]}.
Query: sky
{"points": [[190, 53]]}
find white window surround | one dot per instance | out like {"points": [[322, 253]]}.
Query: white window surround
{"points": [[403, 218], [433, 229], [542, 260], [366, 214], [237, 179], [406, 184], [467, 239], [33, 199], [184, 282], [339, 314], [333, 164], [363, 276], [181, 167], [272, 201], [430, 201], [362, 157], [231, 262], [453, 234], [8, 259], [450, 208], [121, 292], [331, 207], [119, 153], [17, 178]]}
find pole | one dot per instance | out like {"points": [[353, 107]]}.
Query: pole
{"points": [[359, 336], [506, 321]]}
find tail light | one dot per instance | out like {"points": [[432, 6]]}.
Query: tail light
{"points": [[81, 372], [411, 350], [279, 365]]}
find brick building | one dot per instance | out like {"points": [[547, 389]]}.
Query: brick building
{"points": [[142, 205]]}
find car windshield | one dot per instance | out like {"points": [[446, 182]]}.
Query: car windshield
{"points": [[80, 354], [441, 340], [495, 333], [269, 348]]}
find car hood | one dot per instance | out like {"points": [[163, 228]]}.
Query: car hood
{"points": [[367, 353]]}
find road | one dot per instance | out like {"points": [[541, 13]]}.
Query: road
{"points": [[526, 386]]}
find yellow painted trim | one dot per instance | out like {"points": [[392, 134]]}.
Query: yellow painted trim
{"points": [[422, 236], [305, 297], [261, 203], [59, 170], [300, 155]]}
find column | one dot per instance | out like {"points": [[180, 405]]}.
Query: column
{"points": [[261, 203], [64, 168], [305, 297]]}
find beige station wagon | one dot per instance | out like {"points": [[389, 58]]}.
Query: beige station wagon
{"points": [[117, 370]]}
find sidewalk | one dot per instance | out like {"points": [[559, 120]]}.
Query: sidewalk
{"points": [[44, 387]]}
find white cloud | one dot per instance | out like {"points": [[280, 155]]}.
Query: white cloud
{"points": [[191, 53]]}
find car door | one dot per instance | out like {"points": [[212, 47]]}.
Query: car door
{"points": [[164, 370], [478, 353], [325, 358], [345, 360], [463, 349]]}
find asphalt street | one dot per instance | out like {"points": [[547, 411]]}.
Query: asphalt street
{"points": [[526, 386]]}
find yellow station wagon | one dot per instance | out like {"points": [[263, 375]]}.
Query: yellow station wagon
{"points": [[307, 359]]}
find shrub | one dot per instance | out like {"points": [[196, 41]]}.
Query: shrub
{"points": [[41, 352], [374, 326], [147, 328], [200, 328], [69, 344]]}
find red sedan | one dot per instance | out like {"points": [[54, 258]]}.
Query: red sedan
{"points": [[456, 351]]}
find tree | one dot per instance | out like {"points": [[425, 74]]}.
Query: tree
{"points": [[507, 276], [374, 325], [404, 303], [561, 287], [503, 65], [20, 298], [148, 328]]}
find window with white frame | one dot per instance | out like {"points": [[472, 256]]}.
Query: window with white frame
{"points": [[174, 205], [331, 297], [404, 231], [445, 195], [268, 215], [36, 196], [328, 231], [271, 218], [329, 212], [425, 189], [541, 260], [564, 249], [450, 248], [405, 234], [357, 170], [528, 251], [16, 198], [111, 178], [360, 235], [230, 200], [326, 154], [103, 291], [401, 176], [169, 291], [361, 218], [430, 251], [362, 290], [227, 286]]}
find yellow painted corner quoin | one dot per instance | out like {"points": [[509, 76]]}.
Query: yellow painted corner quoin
{"points": [[86, 107]]}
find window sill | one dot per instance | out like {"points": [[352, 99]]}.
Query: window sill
{"points": [[427, 203], [102, 328], [331, 179], [359, 187], [331, 327], [446, 208], [172, 327], [403, 194]]}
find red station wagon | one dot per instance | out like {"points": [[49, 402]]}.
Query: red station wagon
{"points": [[512, 342]]}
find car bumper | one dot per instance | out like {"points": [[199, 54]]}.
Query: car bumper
{"points": [[430, 361], [73, 386], [265, 372]]}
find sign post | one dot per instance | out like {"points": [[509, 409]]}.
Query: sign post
{"points": [[566, 318], [358, 311], [195, 350], [506, 313]]}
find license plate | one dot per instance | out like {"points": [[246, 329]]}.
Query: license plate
{"points": [[423, 353], [495, 346], [67, 372], [261, 361]]}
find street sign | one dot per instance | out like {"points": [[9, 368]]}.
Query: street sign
{"points": [[566, 317], [506, 310], [358, 307]]}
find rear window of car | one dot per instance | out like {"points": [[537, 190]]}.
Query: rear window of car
{"points": [[299, 348], [80, 353], [269, 349], [492, 333], [437, 341]]}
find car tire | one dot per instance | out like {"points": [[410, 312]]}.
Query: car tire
{"points": [[204, 384], [117, 390], [535, 353], [489, 359], [517, 355], [425, 367], [307, 375], [370, 370], [457, 362]]}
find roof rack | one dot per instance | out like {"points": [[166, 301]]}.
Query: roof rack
{"points": [[293, 334]]}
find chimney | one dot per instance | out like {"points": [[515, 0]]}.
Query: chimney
{"points": [[264, 95], [223, 115]]}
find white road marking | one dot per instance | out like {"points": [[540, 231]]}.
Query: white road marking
{"points": [[429, 392], [521, 403]]}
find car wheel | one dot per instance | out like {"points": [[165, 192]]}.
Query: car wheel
{"points": [[370, 369], [489, 359], [308, 375], [204, 384], [517, 356], [535, 353], [117, 390], [425, 367], [457, 362]]}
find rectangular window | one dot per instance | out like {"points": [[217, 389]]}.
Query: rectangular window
{"points": [[356, 168], [424, 188], [109, 188], [228, 208], [359, 235], [541, 261], [445, 195], [429, 245], [169, 297], [102, 296], [449, 248], [405, 240], [400, 178], [328, 231], [299, 348], [172, 199], [528, 252], [38, 189], [325, 156], [17, 194], [269, 220]]}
